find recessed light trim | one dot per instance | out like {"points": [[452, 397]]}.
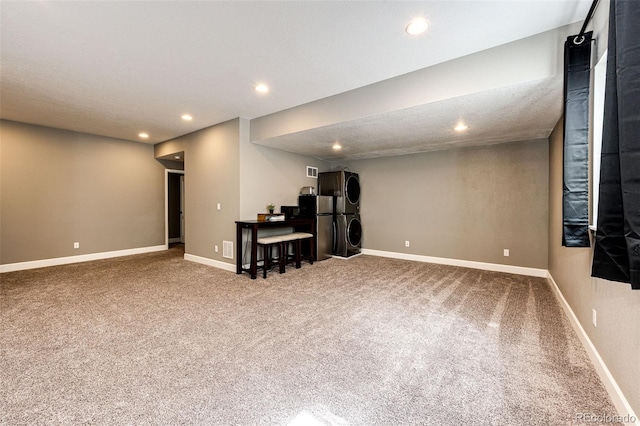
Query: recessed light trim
{"points": [[262, 88], [460, 127], [143, 135], [336, 146], [187, 117], [417, 26]]}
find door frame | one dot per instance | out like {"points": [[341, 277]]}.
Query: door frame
{"points": [[182, 227], [166, 202]]}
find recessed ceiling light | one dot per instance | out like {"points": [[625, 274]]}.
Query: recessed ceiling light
{"points": [[262, 88], [187, 117], [143, 135], [417, 26], [177, 157], [337, 146], [460, 127]]}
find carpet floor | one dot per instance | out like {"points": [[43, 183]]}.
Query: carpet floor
{"points": [[154, 339]]}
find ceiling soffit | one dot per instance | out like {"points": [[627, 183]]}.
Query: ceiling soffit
{"points": [[507, 93]]}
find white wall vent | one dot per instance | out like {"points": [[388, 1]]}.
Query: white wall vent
{"points": [[227, 249], [312, 172]]}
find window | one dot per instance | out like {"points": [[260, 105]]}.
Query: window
{"points": [[599, 82]]}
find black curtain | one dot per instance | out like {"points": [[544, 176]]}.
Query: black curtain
{"points": [[575, 194], [617, 245]]}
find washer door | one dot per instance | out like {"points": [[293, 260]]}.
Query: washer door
{"points": [[352, 189], [354, 232]]}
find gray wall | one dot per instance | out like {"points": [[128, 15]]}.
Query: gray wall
{"points": [[617, 336], [269, 175], [466, 204], [222, 166], [170, 147], [212, 170], [618, 307], [58, 187]]}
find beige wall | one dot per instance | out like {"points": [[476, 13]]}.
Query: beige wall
{"points": [[222, 166], [212, 173], [170, 147], [466, 204], [268, 176], [617, 336], [59, 187]]}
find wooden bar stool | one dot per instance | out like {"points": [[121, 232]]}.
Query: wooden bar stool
{"points": [[267, 244], [296, 238]]}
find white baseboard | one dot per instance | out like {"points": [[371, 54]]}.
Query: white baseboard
{"points": [[346, 258], [617, 397], [210, 262], [520, 270], [20, 266], [619, 400]]}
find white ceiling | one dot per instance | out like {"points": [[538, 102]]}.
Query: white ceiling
{"points": [[123, 67]]}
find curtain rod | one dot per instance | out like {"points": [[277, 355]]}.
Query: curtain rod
{"points": [[579, 39]]}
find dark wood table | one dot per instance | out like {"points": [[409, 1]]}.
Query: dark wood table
{"points": [[299, 224]]}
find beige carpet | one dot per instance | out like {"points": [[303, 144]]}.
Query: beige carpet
{"points": [[154, 339]]}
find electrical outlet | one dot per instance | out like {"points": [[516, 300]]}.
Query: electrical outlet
{"points": [[407, 244], [216, 249], [594, 317], [76, 245], [506, 252]]}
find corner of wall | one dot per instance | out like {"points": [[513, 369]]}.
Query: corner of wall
{"points": [[614, 344]]}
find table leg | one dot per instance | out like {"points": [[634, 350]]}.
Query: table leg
{"points": [[314, 232], [254, 252], [238, 249], [312, 249]]}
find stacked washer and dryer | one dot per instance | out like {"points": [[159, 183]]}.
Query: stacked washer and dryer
{"points": [[344, 186]]}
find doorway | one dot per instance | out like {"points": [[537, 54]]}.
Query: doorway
{"points": [[174, 207]]}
